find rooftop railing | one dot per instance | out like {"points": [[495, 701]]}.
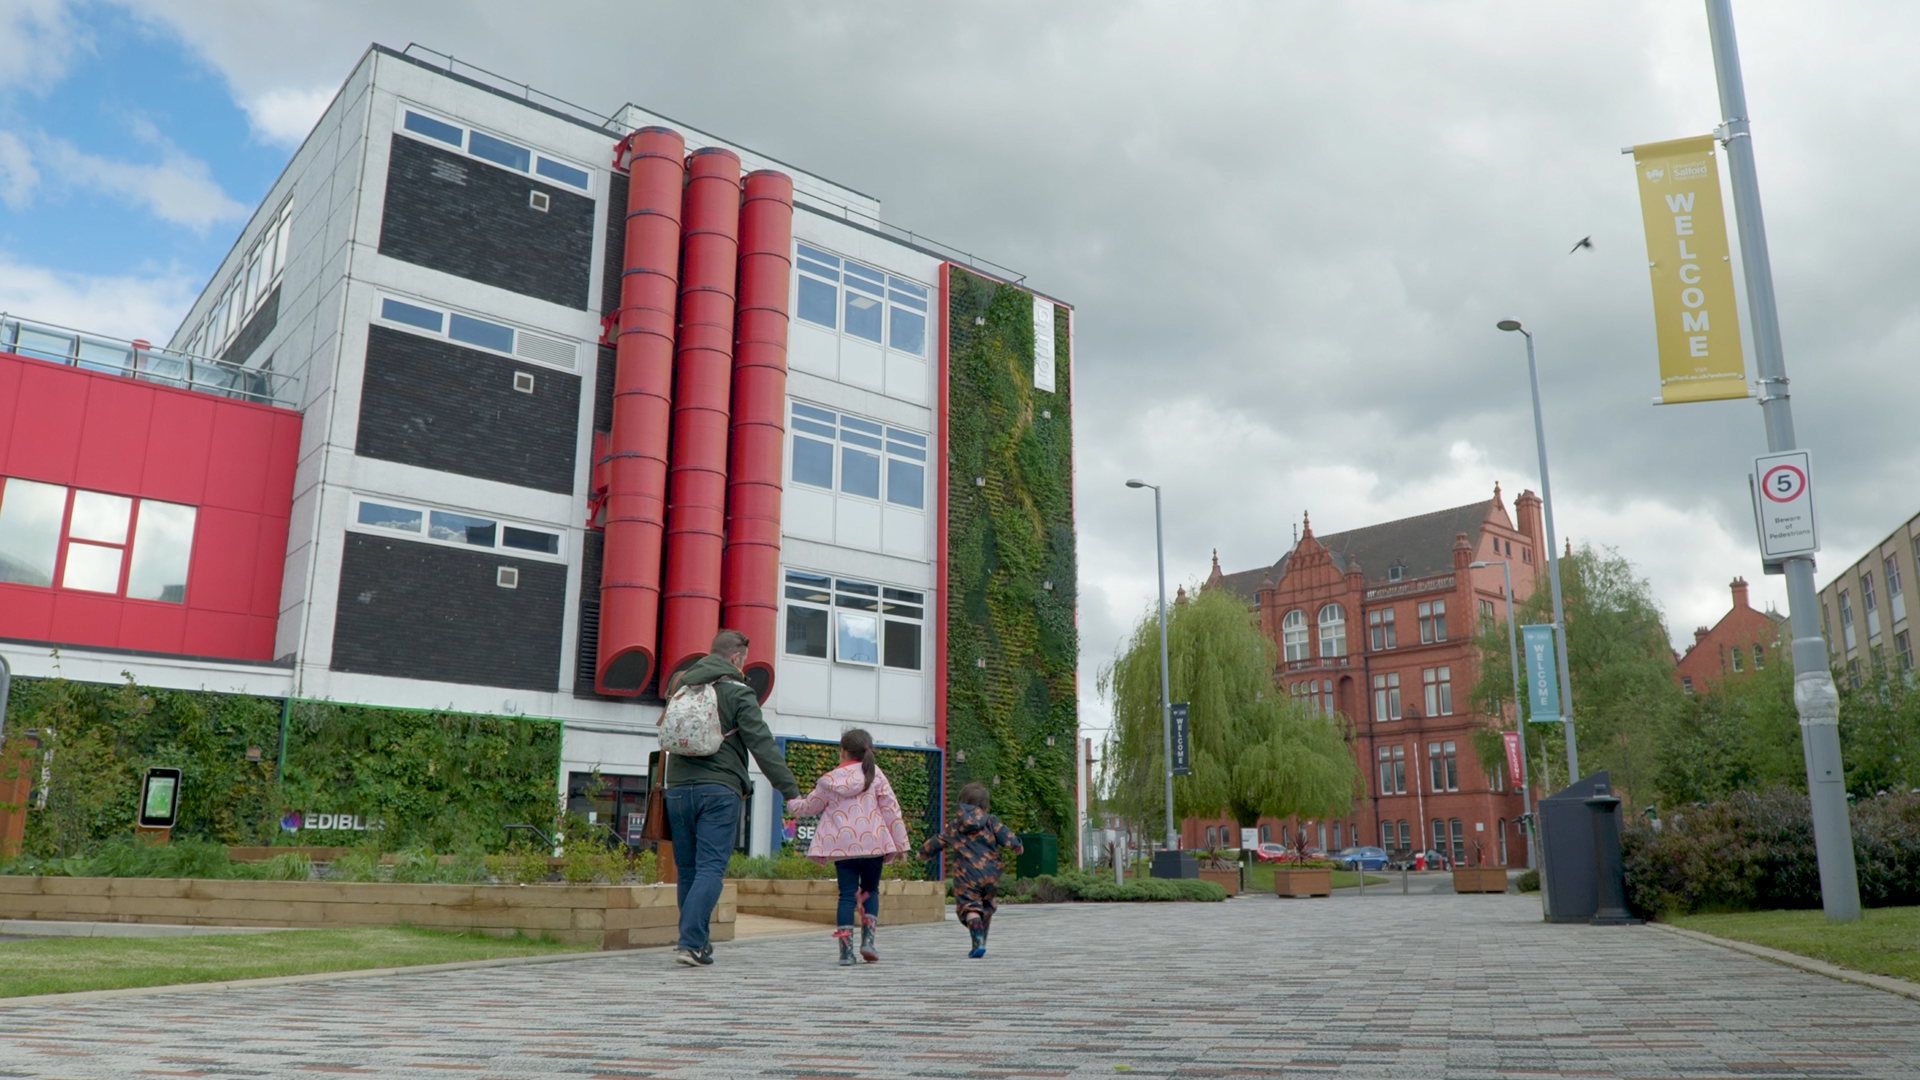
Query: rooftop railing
{"points": [[140, 360]]}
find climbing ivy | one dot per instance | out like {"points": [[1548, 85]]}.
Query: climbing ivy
{"points": [[444, 780], [1012, 647], [914, 775]]}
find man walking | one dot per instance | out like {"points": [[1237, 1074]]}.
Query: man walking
{"points": [[704, 793]]}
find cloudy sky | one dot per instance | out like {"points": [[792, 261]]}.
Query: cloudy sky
{"points": [[1287, 228]]}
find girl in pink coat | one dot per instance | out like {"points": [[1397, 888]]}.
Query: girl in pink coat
{"points": [[860, 828]]}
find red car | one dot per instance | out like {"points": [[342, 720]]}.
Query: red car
{"points": [[1280, 853]]}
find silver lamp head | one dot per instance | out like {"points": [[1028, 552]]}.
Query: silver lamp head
{"points": [[1136, 483], [1508, 324]]}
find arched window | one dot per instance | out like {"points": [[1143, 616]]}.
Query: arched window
{"points": [[1333, 631], [1293, 634]]}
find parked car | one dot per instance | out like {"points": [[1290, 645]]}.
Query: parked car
{"points": [[1272, 853], [1363, 858], [1434, 860]]}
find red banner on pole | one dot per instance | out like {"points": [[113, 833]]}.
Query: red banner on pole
{"points": [[1512, 739]]}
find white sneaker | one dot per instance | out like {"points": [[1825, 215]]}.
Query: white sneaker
{"points": [[686, 958]]}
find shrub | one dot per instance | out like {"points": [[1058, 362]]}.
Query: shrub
{"points": [[519, 867], [1079, 886], [586, 862], [1527, 882], [292, 866], [1755, 852], [416, 865], [354, 866]]}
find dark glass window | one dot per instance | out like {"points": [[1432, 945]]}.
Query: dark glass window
{"points": [[859, 472], [479, 332], [863, 316], [566, 174], [807, 632], [400, 312], [500, 151], [812, 462], [433, 129], [816, 303], [906, 484], [903, 645], [529, 540]]}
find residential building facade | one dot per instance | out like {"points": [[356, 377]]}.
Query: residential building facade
{"points": [[1377, 624], [1864, 609], [1742, 642]]}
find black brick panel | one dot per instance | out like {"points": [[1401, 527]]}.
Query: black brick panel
{"points": [[589, 613], [460, 215], [603, 391], [442, 406], [424, 611], [615, 261]]}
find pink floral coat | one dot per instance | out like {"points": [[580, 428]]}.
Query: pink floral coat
{"points": [[854, 824]]}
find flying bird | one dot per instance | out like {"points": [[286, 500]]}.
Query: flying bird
{"points": [[1585, 242]]}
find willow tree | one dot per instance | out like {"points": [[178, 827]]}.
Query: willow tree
{"points": [[1254, 751]]}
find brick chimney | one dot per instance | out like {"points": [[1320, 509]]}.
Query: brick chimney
{"points": [[1526, 512], [1462, 551], [1700, 634], [1740, 593]]}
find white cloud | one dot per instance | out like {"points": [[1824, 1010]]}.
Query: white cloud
{"points": [[18, 177], [178, 189], [284, 116], [39, 39], [126, 306]]}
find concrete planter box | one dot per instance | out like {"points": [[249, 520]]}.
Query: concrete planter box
{"points": [[610, 917], [901, 902], [1479, 879], [1303, 882], [1226, 879]]}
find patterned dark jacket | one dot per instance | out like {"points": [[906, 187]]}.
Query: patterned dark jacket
{"points": [[976, 840]]}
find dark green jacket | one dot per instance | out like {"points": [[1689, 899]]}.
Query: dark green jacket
{"points": [[739, 715]]}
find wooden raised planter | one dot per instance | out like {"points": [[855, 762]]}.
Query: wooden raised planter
{"points": [[1303, 882], [1226, 879], [610, 917], [814, 900], [1479, 879]]}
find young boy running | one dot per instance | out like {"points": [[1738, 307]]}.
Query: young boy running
{"points": [[977, 839]]}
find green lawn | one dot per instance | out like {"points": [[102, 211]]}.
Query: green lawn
{"points": [[58, 965], [1260, 878], [1886, 941]]}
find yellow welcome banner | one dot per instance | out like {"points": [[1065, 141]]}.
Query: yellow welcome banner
{"points": [[1695, 320]]}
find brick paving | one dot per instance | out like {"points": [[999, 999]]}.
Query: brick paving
{"points": [[1381, 986]]}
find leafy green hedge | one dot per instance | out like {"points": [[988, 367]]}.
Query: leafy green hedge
{"points": [[1012, 647], [1079, 886], [1755, 851], [446, 781], [914, 774]]}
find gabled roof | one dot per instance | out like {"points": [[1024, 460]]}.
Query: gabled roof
{"points": [[1421, 545]]}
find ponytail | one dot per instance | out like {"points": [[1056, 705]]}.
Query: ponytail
{"points": [[858, 745]]}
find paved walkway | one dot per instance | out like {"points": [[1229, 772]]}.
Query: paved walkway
{"points": [[1386, 986]]}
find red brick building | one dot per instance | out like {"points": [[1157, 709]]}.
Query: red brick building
{"points": [[1377, 624], [1743, 641]]}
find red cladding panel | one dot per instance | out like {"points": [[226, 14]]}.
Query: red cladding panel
{"points": [[750, 579], [114, 438], [47, 422], [642, 397], [232, 460], [703, 388]]}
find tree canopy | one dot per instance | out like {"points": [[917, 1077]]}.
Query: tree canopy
{"points": [[1255, 751]]}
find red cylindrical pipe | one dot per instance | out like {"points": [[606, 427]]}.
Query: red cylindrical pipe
{"points": [[750, 578], [642, 398], [702, 393]]}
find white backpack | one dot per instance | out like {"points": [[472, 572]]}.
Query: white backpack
{"points": [[690, 724]]}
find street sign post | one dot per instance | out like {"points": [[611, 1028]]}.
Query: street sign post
{"points": [[1783, 507], [1182, 763]]}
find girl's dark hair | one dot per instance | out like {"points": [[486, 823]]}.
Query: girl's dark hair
{"points": [[858, 745], [976, 794]]}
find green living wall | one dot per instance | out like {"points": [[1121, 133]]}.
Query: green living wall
{"points": [[914, 774], [449, 781], [1012, 648]]}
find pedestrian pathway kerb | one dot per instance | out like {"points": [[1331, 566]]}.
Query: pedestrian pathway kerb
{"points": [[1805, 963]]}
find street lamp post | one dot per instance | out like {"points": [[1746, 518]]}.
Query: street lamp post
{"points": [[1553, 558], [1519, 723], [1166, 700]]}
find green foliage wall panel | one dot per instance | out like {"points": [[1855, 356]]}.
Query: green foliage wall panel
{"points": [[914, 774], [446, 780], [1012, 647]]}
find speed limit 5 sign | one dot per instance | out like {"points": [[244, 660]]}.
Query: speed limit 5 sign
{"points": [[1783, 505]]}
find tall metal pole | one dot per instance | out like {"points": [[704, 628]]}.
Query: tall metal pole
{"points": [[1519, 722], [1814, 695], [1166, 700], [1553, 572]]}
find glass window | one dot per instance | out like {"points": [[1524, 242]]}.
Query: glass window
{"points": [[390, 517], [906, 484], [1902, 644], [1739, 659], [1293, 634], [30, 518], [903, 645], [907, 332], [461, 529], [566, 174], [162, 548], [1438, 685], [806, 631], [530, 540], [103, 357], [44, 346], [1386, 696], [1333, 631], [856, 638], [812, 462], [433, 129], [859, 472], [817, 302], [410, 314], [99, 516], [92, 567], [1433, 622], [1380, 629], [479, 332], [863, 316], [499, 151]]}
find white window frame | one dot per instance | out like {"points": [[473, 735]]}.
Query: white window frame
{"points": [[1294, 638], [520, 333], [534, 153], [241, 297], [896, 444], [423, 536], [1332, 635], [892, 604], [897, 292]]}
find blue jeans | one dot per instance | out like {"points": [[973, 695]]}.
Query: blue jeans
{"points": [[702, 818], [862, 875]]}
